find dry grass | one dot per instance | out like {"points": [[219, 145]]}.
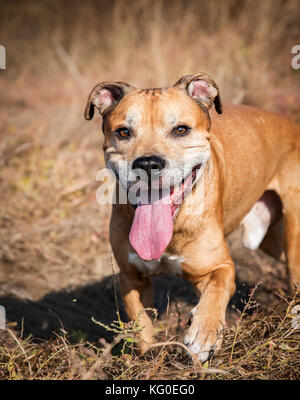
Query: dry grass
{"points": [[264, 346], [54, 235], [245, 45]]}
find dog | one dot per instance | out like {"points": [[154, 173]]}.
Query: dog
{"points": [[242, 167]]}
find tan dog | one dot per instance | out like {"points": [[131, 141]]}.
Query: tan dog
{"points": [[234, 158]]}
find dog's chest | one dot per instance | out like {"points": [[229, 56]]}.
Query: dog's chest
{"points": [[167, 264]]}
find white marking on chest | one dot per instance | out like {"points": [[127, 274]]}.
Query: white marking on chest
{"points": [[167, 264]]}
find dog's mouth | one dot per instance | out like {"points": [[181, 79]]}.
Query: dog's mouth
{"points": [[152, 226], [172, 194], [178, 193]]}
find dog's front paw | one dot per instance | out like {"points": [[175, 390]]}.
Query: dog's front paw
{"points": [[204, 336]]}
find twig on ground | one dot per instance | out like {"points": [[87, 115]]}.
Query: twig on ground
{"points": [[22, 349]]}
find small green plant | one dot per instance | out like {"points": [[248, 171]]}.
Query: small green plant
{"points": [[78, 336], [126, 332], [249, 305]]}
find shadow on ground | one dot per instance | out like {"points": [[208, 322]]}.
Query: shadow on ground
{"points": [[73, 310]]}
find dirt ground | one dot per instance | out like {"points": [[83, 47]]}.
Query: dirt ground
{"points": [[45, 308]]}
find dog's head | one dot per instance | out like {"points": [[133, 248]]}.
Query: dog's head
{"points": [[155, 141], [163, 133]]}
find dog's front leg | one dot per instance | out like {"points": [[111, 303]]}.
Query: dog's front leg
{"points": [[205, 334], [136, 289], [137, 295]]}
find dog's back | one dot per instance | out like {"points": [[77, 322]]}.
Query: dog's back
{"points": [[246, 140]]}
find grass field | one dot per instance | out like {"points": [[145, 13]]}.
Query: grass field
{"points": [[57, 275]]}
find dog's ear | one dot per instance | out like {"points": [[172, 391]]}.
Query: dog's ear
{"points": [[104, 96], [203, 89]]}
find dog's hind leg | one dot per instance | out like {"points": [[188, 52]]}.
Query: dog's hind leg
{"points": [[272, 243], [292, 243], [260, 224], [289, 186]]}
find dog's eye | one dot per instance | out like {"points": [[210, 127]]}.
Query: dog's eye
{"points": [[123, 133], [181, 130]]}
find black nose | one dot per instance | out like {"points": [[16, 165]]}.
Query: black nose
{"points": [[149, 163]]}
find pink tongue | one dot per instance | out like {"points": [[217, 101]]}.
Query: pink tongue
{"points": [[151, 230]]}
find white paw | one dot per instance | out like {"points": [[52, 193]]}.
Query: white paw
{"points": [[204, 336], [296, 319]]}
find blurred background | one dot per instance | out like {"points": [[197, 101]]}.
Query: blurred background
{"points": [[55, 260]]}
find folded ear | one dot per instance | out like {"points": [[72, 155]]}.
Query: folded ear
{"points": [[202, 88], [104, 96]]}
